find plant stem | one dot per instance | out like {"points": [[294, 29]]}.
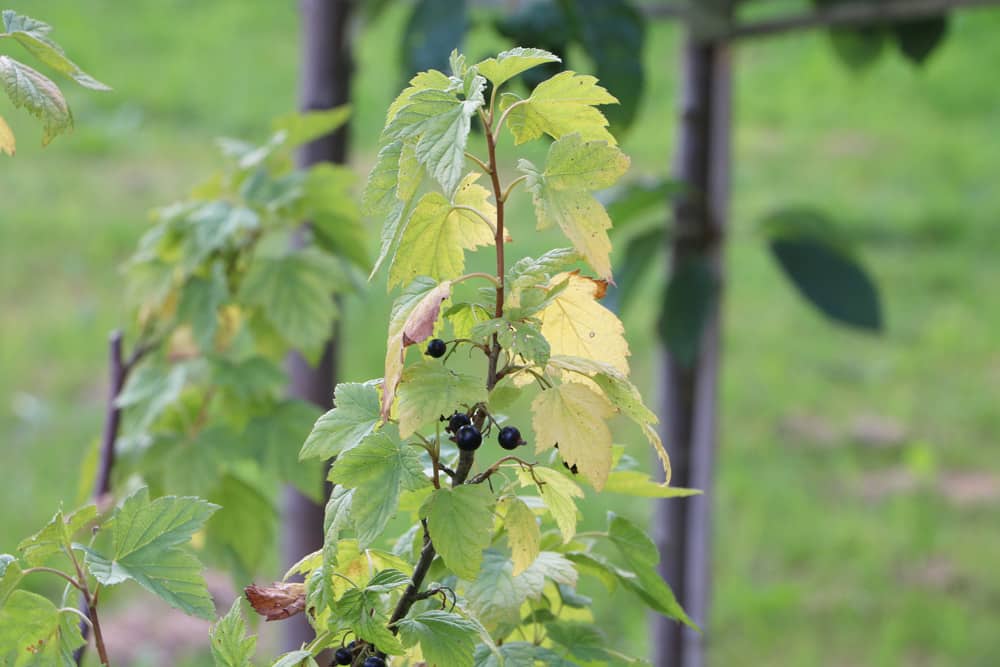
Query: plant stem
{"points": [[59, 573], [102, 652], [466, 459]]}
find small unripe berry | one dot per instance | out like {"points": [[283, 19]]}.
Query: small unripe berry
{"points": [[436, 348], [343, 656], [510, 437], [468, 438]]}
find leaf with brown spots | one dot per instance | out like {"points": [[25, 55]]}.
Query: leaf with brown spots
{"points": [[277, 601]]}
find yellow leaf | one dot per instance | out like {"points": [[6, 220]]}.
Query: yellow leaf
{"points": [[436, 236], [562, 194], [7, 143], [413, 317], [575, 324], [557, 492], [523, 535], [559, 106], [573, 416]]}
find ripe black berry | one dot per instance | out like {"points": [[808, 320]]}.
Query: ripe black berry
{"points": [[436, 348], [510, 437], [457, 421], [374, 661], [343, 656], [468, 438]]}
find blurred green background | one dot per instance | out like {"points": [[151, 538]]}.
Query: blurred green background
{"points": [[858, 479]]}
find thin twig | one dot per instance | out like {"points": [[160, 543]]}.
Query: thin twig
{"points": [[51, 570]]}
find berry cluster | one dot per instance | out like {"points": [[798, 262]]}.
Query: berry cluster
{"points": [[468, 437], [345, 656]]}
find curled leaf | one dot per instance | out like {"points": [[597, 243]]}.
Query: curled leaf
{"points": [[277, 601]]}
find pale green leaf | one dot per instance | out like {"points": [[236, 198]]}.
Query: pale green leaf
{"points": [[429, 80], [509, 64], [558, 493], [34, 633], [446, 639], [56, 536], [152, 388], [274, 436], [573, 416], [295, 293], [201, 298], [639, 484], [354, 417], [465, 316], [562, 194], [523, 534], [379, 468], [243, 531], [10, 576], [430, 390], [32, 34], [460, 523], [435, 238], [301, 658], [230, 645], [305, 126], [28, 88], [496, 595], [559, 106]]}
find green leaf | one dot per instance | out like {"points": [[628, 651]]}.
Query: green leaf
{"points": [[56, 536], [10, 576], [362, 611], [230, 645], [638, 484], [379, 468], [530, 272], [510, 654], [918, 38], [212, 226], [38, 95], [582, 640], [152, 388], [274, 437], [690, 299], [429, 390], [641, 555], [497, 594], [460, 523], [523, 534], [613, 36], [328, 201], [465, 316], [146, 537], [307, 126], [815, 258], [243, 531], [34, 633], [641, 253], [32, 34], [354, 417], [562, 105], [558, 493], [295, 293], [562, 194], [446, 639], [435, 238], [301, 658], [509, 64], [199, 305], [434, 28]]}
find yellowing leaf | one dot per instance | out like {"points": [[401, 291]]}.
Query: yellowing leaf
{"points": [[559, 106], [523, 535], [562, 194], [511, 63], [573, 416], [575, 324], [37, 93], [436, 236], [7, 143], [557, 492], [413, 316]]}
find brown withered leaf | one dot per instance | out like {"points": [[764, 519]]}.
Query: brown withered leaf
{"points": [[277, 601]]}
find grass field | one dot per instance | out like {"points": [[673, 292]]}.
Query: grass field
{"points": [[859, 481]]}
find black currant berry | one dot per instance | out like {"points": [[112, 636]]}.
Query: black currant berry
{"points": [[436, 348], [457, 421], [343, 656], [468, 438], [374, 661], [510, 437]]}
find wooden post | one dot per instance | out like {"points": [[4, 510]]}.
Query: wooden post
{"points": [[690, 395], [325, 83]]}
